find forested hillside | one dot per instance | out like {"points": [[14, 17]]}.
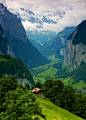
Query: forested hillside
{"points": [[14, 66], [16, 102]]}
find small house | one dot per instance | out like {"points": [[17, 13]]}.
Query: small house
{"points": [[38, 92]]}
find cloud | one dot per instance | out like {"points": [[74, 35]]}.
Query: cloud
{"points": [[38, 6], [75, 12]]}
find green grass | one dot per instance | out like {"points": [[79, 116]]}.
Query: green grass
{"points": [[44, 72], [79, 85], [53, 112]]}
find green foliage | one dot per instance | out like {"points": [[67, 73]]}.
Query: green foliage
{"points": [[65, 97], [77, 74], [20, 105], [52, 89], [80, 105], [14, 66], [80, 73], [38, 85], [6, 84], [62, 71]]}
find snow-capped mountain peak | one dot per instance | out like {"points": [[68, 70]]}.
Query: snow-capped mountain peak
{"points": [[26, 15]]}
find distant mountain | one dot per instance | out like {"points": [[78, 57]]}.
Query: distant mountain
{"points": [[76, 47], [42, 37], [57, 46], [37, 22], [16, 35], [27, 15], [35, 44]]}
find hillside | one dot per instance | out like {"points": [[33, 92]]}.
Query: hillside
{"points": [[16, 35], [53, 112], [13, 66], [57, 46], [35, 44]]}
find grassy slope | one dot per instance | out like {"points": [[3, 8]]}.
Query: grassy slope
{"points": [[53, 112]]}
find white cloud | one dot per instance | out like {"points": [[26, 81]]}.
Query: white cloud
{"points": [[72, 17]]}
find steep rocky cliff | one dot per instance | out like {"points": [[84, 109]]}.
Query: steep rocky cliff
{"points": [[16, 35], [5, 46], [76, 47]]}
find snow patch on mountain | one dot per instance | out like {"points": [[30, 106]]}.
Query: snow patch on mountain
{"points": [[37, 21]]}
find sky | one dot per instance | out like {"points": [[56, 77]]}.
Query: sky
{"points": [[75, 11]]}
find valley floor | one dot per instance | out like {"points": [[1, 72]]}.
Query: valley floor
{"points": [[47, 71]]}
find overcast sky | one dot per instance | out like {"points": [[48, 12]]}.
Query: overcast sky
{"points": [[72, 18], [49, 5]]}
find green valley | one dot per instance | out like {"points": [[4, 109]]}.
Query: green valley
{"points": [[54, 71]]}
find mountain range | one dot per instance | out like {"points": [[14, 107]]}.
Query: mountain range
{"points": [[57, 46], [34, 23], [27, 15], [16, 35]]}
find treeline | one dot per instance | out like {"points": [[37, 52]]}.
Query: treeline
{"points": [[65, 96], [14, 66], [17, 102], [78, 74]]}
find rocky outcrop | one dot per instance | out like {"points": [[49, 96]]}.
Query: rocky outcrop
{"points": [[10, 51], [24, 82], [75, 53]]}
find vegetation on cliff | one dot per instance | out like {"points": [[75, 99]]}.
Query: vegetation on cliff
{"points": [[14, 66]]}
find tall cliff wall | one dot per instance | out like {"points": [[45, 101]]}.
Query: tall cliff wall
{"points": [[76, 53], [5, 46]]}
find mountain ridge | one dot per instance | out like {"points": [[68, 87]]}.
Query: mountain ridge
{"points": [[15, 33], [57, 46]]}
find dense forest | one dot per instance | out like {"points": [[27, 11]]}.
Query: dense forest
{"points": [[17, 102], [14, 66], [65, 96]]}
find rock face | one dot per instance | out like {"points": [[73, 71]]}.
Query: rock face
{"points": [[76, 47], [9, 50], [5, 46], [16, 35]]}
